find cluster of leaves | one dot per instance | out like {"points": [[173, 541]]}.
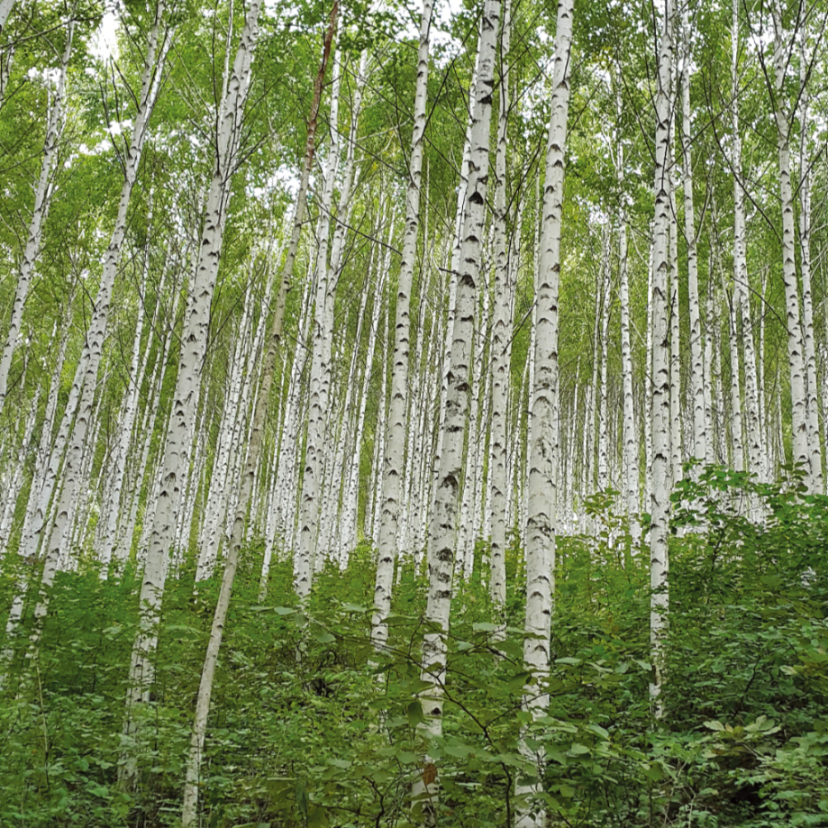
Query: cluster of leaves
{"points": [[310, 727]]}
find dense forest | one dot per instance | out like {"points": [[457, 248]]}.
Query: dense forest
{"points": [[413, 414]]}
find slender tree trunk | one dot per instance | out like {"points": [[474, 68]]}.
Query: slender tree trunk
{"points": [[630, 432], [394, 439], [193, 348], [796, 361], [660, 371], [446, 501], [805, 256], [698, 379], [501, 334], [42, 202], [543, 489], [304, 561], [603, 407]]}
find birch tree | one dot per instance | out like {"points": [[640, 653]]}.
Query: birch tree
{"points": [[660, 370], [446, 500], [392, 468], [193, 347], [42, 202], [542, 517]]}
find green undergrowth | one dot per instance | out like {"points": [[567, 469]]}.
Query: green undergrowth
{"points": [[309, 727]]}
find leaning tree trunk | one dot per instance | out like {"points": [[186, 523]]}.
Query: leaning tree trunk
{"points": [[189, 811], [193, 350], [42, 202], [85, 384], [543, 491]]}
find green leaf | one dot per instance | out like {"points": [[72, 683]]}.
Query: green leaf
{"points": [[415, 713], [604, 734]]}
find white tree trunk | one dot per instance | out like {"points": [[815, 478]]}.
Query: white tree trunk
{"points": [[304, 561], [394, 439], [543, 437], [603, 408], [805, 256], [796, 361], [193, 347], [42, 202], [446, 501], [501, 335], [660, 368], [698, 379]]}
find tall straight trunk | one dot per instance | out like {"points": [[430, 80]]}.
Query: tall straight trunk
{"points": [[676, 443], [752, 410], [543, 488], [698, 379], [394, 440], [650, 386], [603, 407], [501, 334], [660, 369], [592, 401], [710, 444], [796, 361], [298, 218], [304, 561], [373, 508], [42, 202], [193, 349], [805, 256], [446, 501], [736, 427], [630, 430]]}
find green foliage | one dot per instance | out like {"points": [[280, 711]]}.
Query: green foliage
{"points": [[310, 727]]}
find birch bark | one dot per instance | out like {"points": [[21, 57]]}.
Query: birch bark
{"points": [[42, 202], [740, 273], [446, 501], [660, 372], [796, 361], [159, 41], [304, 561], [697, 375], [193, 347], [543, 490], [501, 334], [394, 439], [630, 431]]}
